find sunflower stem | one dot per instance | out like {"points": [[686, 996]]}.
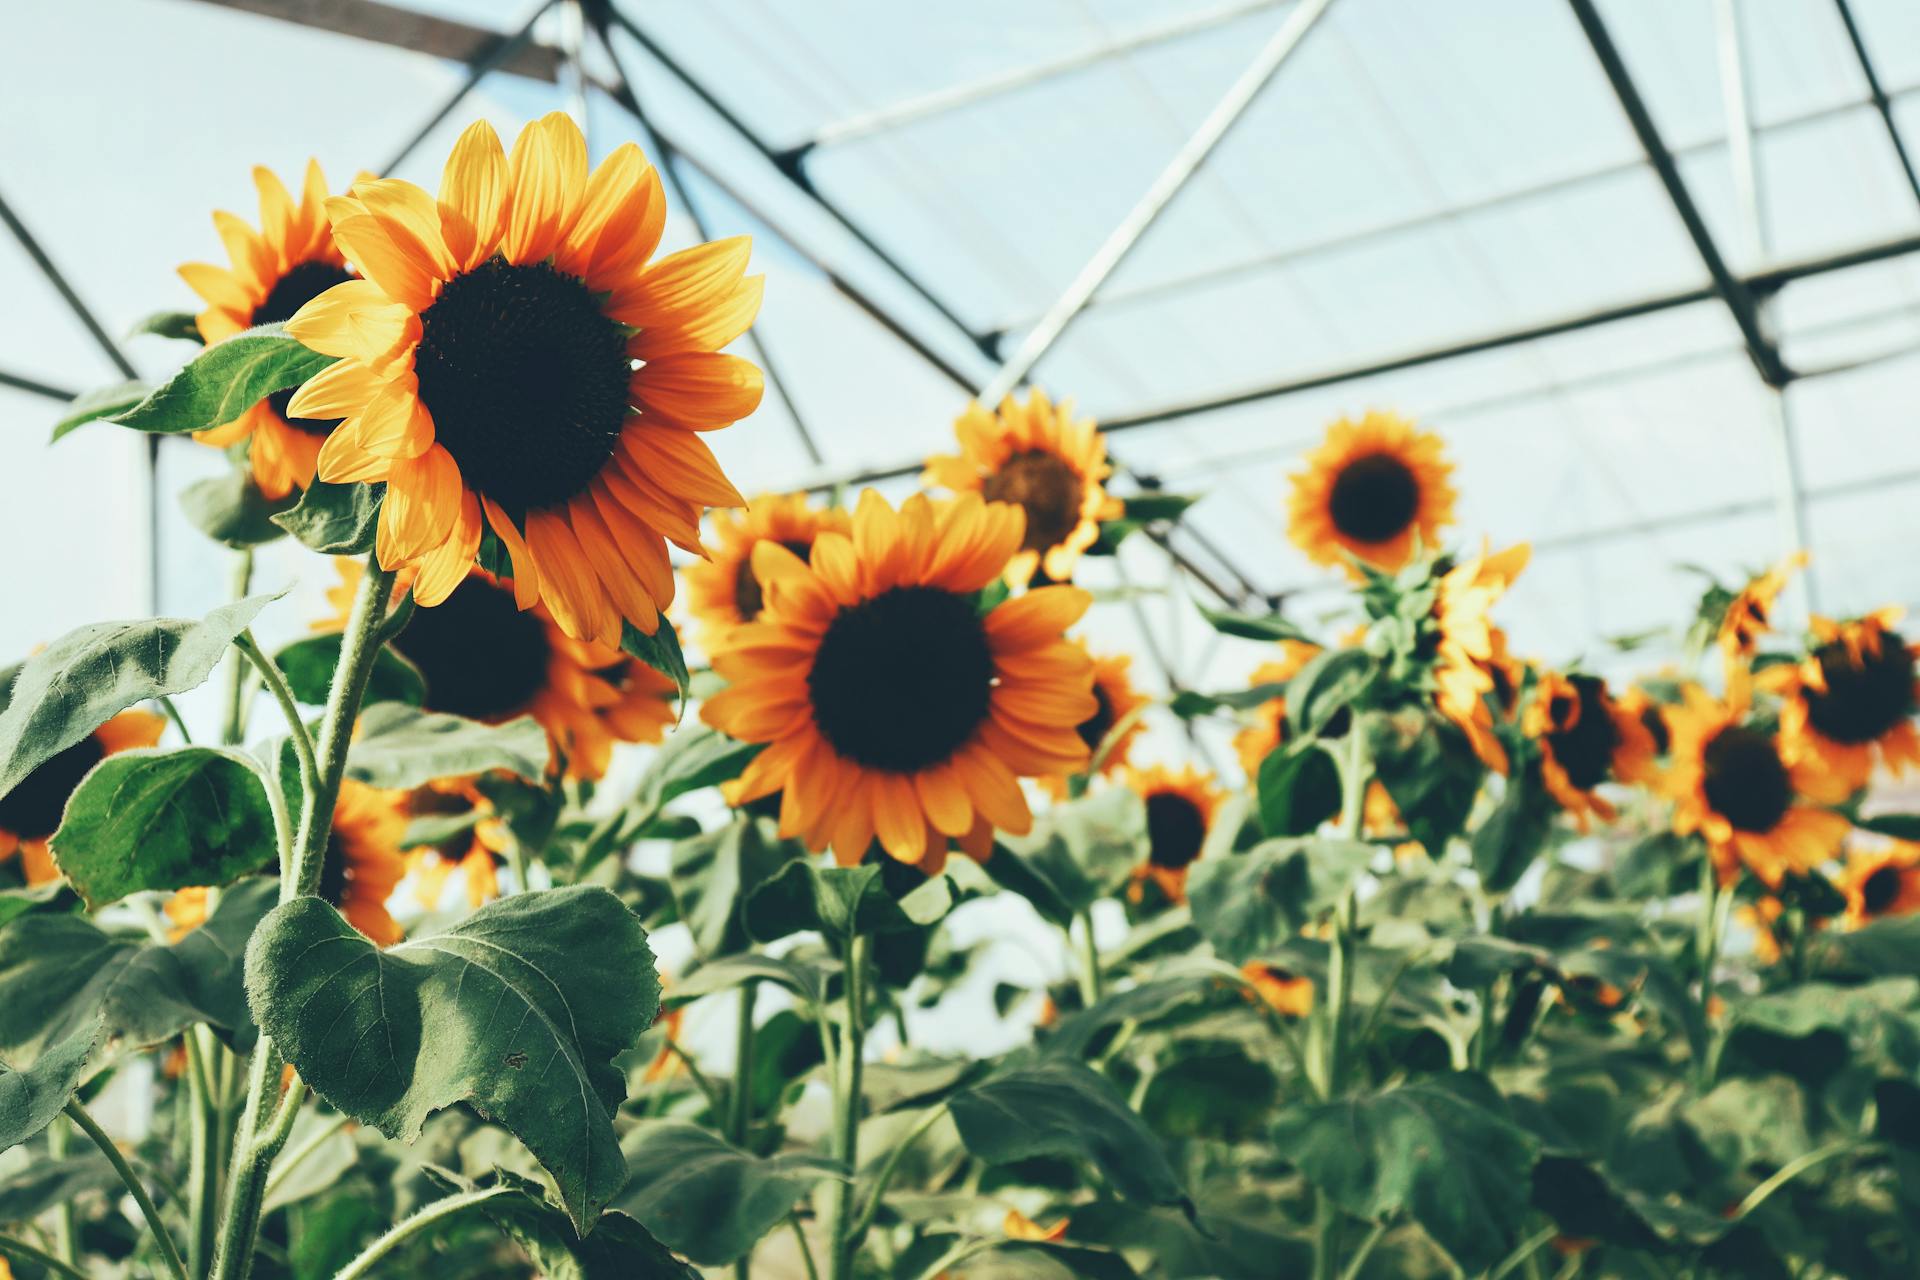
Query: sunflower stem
{"points": [[1092, 982], [413, 1225], [203, 1165], [148, 1210], [1716, 904], [1354, 778], [24, 1252], [276, 684], [66, 1233], [740, 1110], [233, 729], [846, 1109]]}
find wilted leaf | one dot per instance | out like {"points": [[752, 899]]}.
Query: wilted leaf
{"points": [[398, 747], [706, 1198]]}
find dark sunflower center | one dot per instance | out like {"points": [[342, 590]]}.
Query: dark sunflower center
{"points": [[1175, 830], [1585, 749], [333, 870], [300, 285], [902, 680], [1745, 782], [526, 380], [747, 596], [1880, 889], [1048, 489], [34, 808], [1654, 721], [1095, 728], [1864, 697], [1374, 497], [481, 656]]}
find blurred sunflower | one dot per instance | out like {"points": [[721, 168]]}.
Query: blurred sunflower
{"points": [[475, 850], [488, 374], [1749, 616], [1180, 808], [721, 590], [1851, 699], [1731, 783], [1586, 738], [585, 695], [1269, 722], [1043, 460], [1652, 715], [1471, 658], [289, 262], [892, 706], [31, 812], [1372, 490], [1281, 990], [362, 866], [1881, 882], [1117, 698]]}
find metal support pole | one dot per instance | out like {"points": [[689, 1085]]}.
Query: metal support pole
{"points": [[1878, 94], [573, 73], [502, 50], [34, 386], [1228, 112]]}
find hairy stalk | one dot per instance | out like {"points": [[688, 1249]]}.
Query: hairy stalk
{"points": [[203, 1168], [413, 1225], [846, 1110], [66, 1234], [1354, 778], [233, 728], [1092, 981], [887, 1170], [276, 684], [740, 1113], [1716, 904], [21, 1251], [168, 1250]]}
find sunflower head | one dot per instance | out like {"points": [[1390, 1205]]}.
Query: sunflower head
{"points": [[1739, 620], [1469, 659], [1268, 727], [1585, 739], [1116, 700], [513, 365], [1851, 701], [1372, 491], [1180, 806], [1731, 781], [272, 273], [722, 590], [1042, 459], [1881, 882], [474, 846], [363, 862], [895, 704], [31, 812], [1281, 990]]}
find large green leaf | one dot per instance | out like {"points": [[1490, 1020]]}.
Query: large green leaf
{"points": [[1298, 790], [715, 872], [1146, 1004], [690, 759], [517, 1011], [1248, 903], [230, 508], [617, 1247], [164, 819], [1249, 627], [1515, 833], [88, 676], [1888, 947], [661, 651], [17, 902], [61, 972], [181, 325], [103, 402], [1441, 1150], [705, 1198], [224, 381], [46, 1183], [1328, 684], [335, 519], [1751, 1120], [840, 901], [1078, 852], [1430, 772], [32, 1097], [399, 747], [309, 664], [1058, 1108]]}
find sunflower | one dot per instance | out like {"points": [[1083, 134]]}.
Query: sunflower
{"points": [[277, 270], [488, 374], [1586, 738], [1370, 492], [476, 850], [1180, 808], [1651, 714], [31, 812], [1881, 882], [1749, 616], [721, 590], [1117, 698], [1269, 727], [1852, 697], [1470, 657], [1281, 990], [1043, 460], [892, 706], [585, 695], [362, 866], [1733, 784]]}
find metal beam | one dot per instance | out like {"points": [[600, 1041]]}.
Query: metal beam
{"points": [[1878, 95], [402, 28], [34, 386], [1219, 122], [80, 309], [494, 55], [940, 101], [1732, 290]]}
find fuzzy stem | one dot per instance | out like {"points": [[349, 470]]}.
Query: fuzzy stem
{"points": [[1092, 982], [233, 729], [1354, 778], [168, 1250], [24, 1252], [846, 1098], [740, 1110], [413, 1225], [276, 683]]}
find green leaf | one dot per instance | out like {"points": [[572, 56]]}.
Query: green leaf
{"points": [[1901, 826], [1052, 1260], [1214, 1091], [31, 1098], [1298, 790], [1248, 627], [309, 665], [103, 402], [1146, 1004], [398, 747], [46, 1183], [224, 381], [703, 1197], [323, 1158], [335, 519], [1515, 833], [181, 325], [1441, 1150], [1888, 947], [230, 508], [617, 1247], [1429, 771], [1760, 1119], [690, 759], [839, 901], [61, 972], [518, 1011], [1060, 1108], [164, 819], [1083, 850], [1327, 685], [17, 902], [733, 971], [661, 651], [1187, 703], [1248, 903], [1016, 874], [1158, 505], [88, 676], [713, 874]]}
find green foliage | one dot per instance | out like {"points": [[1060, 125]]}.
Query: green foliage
{"points": [[399, 746], [335, 519], [230, 508], [517, 1011], [839, 901], [1248, 627], [164, 819], [661, 651], [714, 873], [181, 325], [88, 676], [1247, 904], [1077, 852], [31, 1097], [104, 402], [705, 1198], [1515, 833], [308, 664], [224, 381], [1298, 790]]}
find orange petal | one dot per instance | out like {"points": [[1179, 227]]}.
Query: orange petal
{"points": [[547, 174], [411, 220], [709, 330], [355, 318], [632, 232], [526, 574], [447, 565], [698, 390], [422, 502], [680, 463], [473, 191], [1036, 618], [683, 286], [401, 274]]}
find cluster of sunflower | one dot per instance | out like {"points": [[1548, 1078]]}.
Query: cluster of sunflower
{"points": [[1433, 984]]}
